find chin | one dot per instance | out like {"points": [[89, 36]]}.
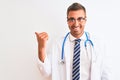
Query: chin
{"points": [[77, 33]]}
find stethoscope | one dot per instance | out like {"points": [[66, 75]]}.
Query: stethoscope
{"points": [[62, 61]]}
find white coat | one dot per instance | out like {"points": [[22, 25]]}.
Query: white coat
{"points": [[99, 71]]}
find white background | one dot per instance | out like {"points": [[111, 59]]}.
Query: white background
{"points": [[20, 19]]}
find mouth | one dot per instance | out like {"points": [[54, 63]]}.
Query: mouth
{"points": [[75, 28]]}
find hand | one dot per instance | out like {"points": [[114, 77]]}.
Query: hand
{"points": [[42, 40]]}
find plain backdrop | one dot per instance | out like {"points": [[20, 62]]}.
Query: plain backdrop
{"points": [[20, 19]]}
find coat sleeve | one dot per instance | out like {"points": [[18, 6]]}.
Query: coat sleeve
{"points": [[106, 73], [106, 66], [44, 68]]}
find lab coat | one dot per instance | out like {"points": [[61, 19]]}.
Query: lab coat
{"points": [[52, 69]]}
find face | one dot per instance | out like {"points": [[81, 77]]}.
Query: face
{"points": [[76, 21]]}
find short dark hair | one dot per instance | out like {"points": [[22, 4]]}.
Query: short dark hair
{"points": [[74, 7]]}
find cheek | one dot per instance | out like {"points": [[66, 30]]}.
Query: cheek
{"points": [[84, 23], [69, 25]]}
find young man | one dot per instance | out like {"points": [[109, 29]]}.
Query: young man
{"points": [[82, 60]]}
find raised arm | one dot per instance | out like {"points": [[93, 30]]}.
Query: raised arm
{"points": [[42, 40]]}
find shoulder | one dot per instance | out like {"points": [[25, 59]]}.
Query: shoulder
{"points": [[97, 39], [99, 43]]}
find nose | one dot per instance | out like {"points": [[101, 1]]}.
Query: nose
{"points": [[76, 23]]}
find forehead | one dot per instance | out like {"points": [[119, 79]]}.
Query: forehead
{"points": [[76, 14]]}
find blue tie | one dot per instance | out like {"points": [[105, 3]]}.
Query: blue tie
{"points": [[76, 61]]}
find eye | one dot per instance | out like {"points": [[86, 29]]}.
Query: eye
{"points": [[81, 19], [71, 19]]}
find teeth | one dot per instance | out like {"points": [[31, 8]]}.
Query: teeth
{"points": [[75, 27]]}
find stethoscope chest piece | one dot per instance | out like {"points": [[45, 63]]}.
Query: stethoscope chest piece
{"points": [[62, 61]]}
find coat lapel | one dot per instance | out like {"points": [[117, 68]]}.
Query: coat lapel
{"points": [[67, 58]]}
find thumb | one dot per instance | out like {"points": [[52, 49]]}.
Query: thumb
{"points": [[37, 35]]}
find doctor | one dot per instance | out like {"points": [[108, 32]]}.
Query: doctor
{"points": [[57, 62]]}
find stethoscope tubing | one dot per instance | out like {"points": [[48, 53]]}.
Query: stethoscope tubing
{"points": [[63, 44]]}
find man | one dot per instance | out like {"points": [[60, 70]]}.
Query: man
{"points": [[80, 63]]}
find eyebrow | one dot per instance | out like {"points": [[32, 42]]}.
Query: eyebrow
{"points": [[77, 18]]}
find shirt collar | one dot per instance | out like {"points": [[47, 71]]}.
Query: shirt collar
{"points": [[72, 38]]}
